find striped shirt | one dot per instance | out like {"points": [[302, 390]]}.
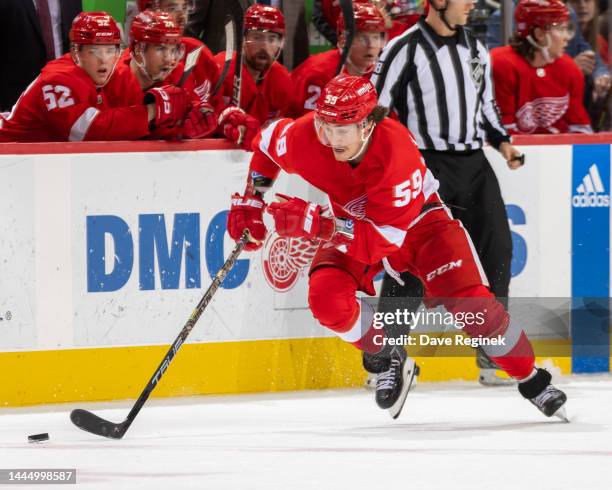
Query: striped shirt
{"points": [[441, 89]]}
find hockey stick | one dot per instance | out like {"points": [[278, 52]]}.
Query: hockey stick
{"points": [[238, 17], [229, 52], [190, 63], [349, 31], [90, 422]]}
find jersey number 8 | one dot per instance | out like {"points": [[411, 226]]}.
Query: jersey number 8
{"points": [[406, 191]]}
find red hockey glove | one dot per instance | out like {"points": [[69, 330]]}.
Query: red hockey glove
{"points": [[247, 212], [238, 126], [294, 217], [171, 105], [201, 121]]}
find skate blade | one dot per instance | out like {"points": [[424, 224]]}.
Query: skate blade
{"points": [[562, 414], [496, 381], [489, 377], [410, 371]]}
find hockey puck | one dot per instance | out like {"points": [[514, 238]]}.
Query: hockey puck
{"points": [[38, 437]]}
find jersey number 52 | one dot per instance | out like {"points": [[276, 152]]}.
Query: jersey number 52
{"points": [[51, 93], [406, 191]]}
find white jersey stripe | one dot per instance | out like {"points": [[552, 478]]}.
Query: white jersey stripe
{"points": [[390, 233], [266, 137], [81, 125]]}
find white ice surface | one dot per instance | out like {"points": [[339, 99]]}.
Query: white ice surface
{"points": [[450, 436]]}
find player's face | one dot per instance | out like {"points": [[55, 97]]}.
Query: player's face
{"points": [[178, 9], [365, 50], [559, 35], [345, 140], [458, 11], [161, 59], [98, 60], [262, 48]]}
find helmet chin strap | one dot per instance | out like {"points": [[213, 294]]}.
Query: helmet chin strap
{"points": [[542, 49], [365, 139], [143, 71], [442, 14]]}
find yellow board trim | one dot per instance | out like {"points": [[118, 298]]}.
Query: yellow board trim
{"points": [[116, 373]]}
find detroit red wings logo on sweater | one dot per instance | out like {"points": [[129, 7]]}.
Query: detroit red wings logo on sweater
{"points": [[357, 207], [203, 91], [541, 113], [284, 259]]}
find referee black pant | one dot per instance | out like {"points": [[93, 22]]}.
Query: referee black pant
{"points": [[469, 187]]}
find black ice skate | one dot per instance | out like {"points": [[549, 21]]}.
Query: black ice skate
{"points": [[395, 377], [545, 396]]}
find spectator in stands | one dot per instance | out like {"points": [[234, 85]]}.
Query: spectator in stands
{"points": [[603, 18], [81, 96], [311, 76], [41, 28], [266, 88], [538, 88], [596, 102], [588, 21]]}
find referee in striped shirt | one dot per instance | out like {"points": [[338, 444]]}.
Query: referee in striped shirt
{"points": [[437, 78]]}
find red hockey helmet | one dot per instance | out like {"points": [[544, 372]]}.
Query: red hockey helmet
{"points": [[155, 27], [530, 14], [94, 28], [264, 18], [346, 99], [367, 18]]}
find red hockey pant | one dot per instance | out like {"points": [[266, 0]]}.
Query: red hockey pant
{"points": [[440, 252]]}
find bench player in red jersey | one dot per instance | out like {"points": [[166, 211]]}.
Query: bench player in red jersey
{"points": [[153, 61], [539, 88], [266, 85], [386, 214], [81, 97], [205, 73], [313, 74]]}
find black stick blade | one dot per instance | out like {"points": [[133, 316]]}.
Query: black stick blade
{"points": [[92, 423]]}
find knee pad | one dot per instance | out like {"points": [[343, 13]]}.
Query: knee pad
{"points": [[332, 299]]}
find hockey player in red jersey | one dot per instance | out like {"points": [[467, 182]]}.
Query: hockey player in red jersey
{"points": [[154, 60], [206, 73], [81, 96], [266, 84], [538, 88], [386, 214], [313, 74]]}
